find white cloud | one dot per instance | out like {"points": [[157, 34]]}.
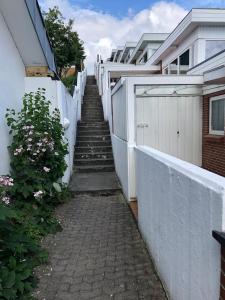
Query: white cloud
{"points": [[101, 32]]}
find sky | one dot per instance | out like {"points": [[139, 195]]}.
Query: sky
{"points": [[104, 24]]}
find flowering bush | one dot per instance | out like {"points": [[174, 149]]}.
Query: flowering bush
{"points": [[38, 147], [28, 197], [19, 253]]}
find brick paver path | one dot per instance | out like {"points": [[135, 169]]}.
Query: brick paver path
{"points": [[98, 255]]}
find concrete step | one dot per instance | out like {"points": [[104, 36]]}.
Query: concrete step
{"points": [[93, 124], [97, 155], [94, 162], [100, 138], [92, 120], [93, 143], [91, 132], [93, 149], [95, 182], [92, 113], [93, 129], [93, 169]]}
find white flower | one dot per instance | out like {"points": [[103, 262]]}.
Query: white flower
{"points": [[46, 169], [43, 150], [56, 154], [6, 200], [38, 194], [29, 140]]}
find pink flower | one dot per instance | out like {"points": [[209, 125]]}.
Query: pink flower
{"points": [[6, 181]]}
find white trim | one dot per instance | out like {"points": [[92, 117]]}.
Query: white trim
{"points": [[211, 131]]}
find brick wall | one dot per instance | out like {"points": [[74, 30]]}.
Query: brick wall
{"points": [[213, 146]]}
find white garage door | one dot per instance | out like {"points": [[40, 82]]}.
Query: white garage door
{"points": [[171, 124]]}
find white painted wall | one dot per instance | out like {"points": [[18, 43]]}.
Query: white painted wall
{"points": [[120, 153], [179, 205], [12, 75], [119, 113]]}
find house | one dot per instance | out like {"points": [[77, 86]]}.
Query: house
{"points": [[28, 63], [187, 51], [166, 121], [146, 46], [127, 51]]}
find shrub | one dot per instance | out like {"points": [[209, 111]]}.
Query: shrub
{"points": [[38, 148], [28, 197], [19, 253]]}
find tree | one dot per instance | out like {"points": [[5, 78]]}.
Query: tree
{"points": [[67, 46]]}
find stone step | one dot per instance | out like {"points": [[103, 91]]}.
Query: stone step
{"points": [[93, 169], [97, 155], [92, 131], [91, 112], [92, 120], [93, 128], [93, 138], [93, 149], [93, 124], [94, 162], [93, 143]]}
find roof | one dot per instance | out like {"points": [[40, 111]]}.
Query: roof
{"points": [[144, 41], [26, 25], [195, 18], [127, 47], [118, 52]]}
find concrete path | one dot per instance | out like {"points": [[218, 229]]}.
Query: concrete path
{"points": [[99, 254]]}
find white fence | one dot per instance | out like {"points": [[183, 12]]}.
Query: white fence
{"points": [[179, 205]]}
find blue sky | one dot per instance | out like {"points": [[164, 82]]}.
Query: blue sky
{"points": [[121, 8]]}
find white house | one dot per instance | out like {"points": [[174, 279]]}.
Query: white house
{"points": [[27, 63], [167, 122]]}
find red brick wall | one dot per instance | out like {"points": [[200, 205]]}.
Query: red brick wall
{"points": [[213, 146]]}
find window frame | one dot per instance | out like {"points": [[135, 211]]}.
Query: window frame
{"points": [[213, 40], [211, 131]]}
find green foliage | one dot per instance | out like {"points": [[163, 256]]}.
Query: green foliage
{"points": [[18, 256], [69, 82], [28, 199], [68, 47]]}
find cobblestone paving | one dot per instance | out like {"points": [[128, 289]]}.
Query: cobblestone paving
{"points": [[99, 254]]}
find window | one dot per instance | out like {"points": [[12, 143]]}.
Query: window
{"points": [[217, 115], [184, 62], [213, 47], [181, 64]]}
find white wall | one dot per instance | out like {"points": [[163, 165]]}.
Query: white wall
{"points": [[12, 75], [179, 205]]}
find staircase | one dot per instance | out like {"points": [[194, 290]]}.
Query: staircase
{"points": [[93, 163], [93, 151]]}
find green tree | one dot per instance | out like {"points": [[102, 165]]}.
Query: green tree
{"points": [[68, 47]]}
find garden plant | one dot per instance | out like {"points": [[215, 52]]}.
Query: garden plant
{"points": [[29, 195]]}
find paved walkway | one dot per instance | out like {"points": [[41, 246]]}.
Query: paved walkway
{"points": [[99, 255]]}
